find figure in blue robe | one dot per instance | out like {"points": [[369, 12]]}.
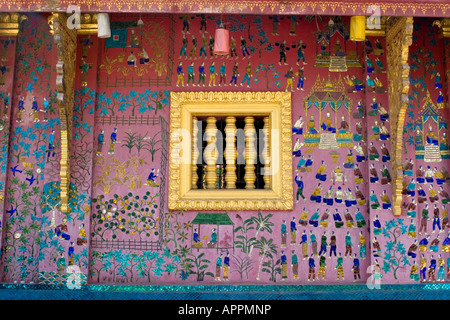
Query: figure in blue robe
{"points": [[337, 219], [411, 189], [51, 144], [314, 220], [437, 81], [196, 237], [309, 162], [376, 225], [375, 204], [71, 250]]}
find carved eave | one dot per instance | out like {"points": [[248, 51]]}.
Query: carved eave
{"points": [[88, 24], [65, 40], [444, 26], [398, 39], [10, 23]]}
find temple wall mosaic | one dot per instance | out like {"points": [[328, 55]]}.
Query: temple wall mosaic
{"points": [[119, 230]]}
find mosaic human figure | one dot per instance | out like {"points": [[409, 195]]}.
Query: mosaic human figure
{"points": [[193, 51], [100, 142], [283, 234], [356, 268], [339, 267], [213, 241], [293, 232], [322, 267], [223, 74], [282, 53], [313, 243], [226, 267], [304, 244], [247, 75], [294, 265], [203, 47], [112, 141], [46, 105], [311, 269], [180, 74], [34, 108], [244, 48], [203, 24], [235, 74], [284, 266], [323, 243], [218, 267], [21, 109], [233, 51], [290, 80], [51, 144], [301, 78], [432, 269], [333, 244], [191, 74], [184, 44], [212, 74], [201, 74], [362, 246], [300, 52], [348, 245]]}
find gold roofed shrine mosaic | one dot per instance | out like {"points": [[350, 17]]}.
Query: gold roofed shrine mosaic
{"points": [[295, 94]]}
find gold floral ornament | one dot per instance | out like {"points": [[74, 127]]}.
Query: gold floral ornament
{"points": [[398, 39], [66, 42], [275, 106], [10, 23]]}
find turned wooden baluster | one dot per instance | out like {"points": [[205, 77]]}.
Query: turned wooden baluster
{"points": [[195, 152], [266, 153], [230, 153], [250, 152], [211, 153]]}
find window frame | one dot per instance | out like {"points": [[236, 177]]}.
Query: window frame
{"points": [[185, 105]]}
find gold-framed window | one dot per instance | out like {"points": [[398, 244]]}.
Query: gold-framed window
{"points": [[230, 151]]}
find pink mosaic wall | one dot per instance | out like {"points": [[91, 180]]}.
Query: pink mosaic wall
{"points": [[120, 230]]}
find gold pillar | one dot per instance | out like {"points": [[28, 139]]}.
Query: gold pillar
{"points": [[195, 152], [211, 153], [65, 40], [250, 152], [230, 152], [398, 39], [266, 153]]}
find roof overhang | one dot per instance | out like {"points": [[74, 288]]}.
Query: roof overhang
{"points": [[415, 8]]}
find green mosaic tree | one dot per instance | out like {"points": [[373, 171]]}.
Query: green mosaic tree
{"points": [[395, 257]]}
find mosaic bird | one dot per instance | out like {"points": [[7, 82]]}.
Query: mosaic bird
{"points": [[31, 180], [14, 170], [11, 211]]}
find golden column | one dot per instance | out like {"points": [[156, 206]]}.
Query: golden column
{"points": [[211, 153], [66, 44], [195, 152], [250, 152], [266, 153], [230, 152], [398, 39]]}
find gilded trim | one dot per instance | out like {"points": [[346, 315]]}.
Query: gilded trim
{"points": [[276, 105], [10, 23], [398, 39], [392, 8], [66, 42]]}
